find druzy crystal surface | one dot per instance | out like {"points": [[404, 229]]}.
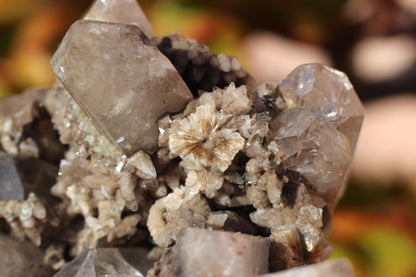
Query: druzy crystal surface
{"points": [[175, 153], [137, 83]]}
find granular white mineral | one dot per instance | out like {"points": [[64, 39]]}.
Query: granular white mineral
{"points": [[172, 151]]}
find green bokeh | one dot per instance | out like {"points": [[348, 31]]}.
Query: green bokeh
{"points": [[380, 252]]}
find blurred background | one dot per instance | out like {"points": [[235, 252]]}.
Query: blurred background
{"points": [[373, 41]]}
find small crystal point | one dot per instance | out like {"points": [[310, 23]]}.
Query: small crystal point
{"points": [[120, 11], [328, 93], [99, 263], [122, 82]]}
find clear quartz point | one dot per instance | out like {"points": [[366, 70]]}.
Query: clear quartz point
{"points": [[99, 263], [120, 11], [328, 93], [119, 80]]}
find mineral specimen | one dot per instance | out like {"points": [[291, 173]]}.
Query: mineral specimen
{"points": [[174, 176], [140, 83]]}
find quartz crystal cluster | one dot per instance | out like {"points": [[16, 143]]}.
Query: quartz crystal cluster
{"points": [[152, 156]]}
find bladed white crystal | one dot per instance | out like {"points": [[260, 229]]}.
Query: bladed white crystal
{"points": [[120, 11]]}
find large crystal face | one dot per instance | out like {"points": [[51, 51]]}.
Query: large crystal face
{"points": [[328, 93], [119, 11], [122, 82], [238, 181]]}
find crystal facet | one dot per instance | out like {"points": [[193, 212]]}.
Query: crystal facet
{"points": [[100, 263], [120, 81], [328, 93], [19, 259], [20, 176], [313, 148], [140, 151], [215, 253], [11, 187], [120, 11]]}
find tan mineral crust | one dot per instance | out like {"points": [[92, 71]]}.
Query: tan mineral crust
{"points": [[152, 156]]}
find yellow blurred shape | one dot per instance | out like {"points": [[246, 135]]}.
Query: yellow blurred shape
{"points": [[31, 69], [11, 10]]}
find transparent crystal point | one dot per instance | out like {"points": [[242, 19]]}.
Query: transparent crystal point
{"points": [[120, 11], [328, 93], [119, 80], [99, 263]]}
